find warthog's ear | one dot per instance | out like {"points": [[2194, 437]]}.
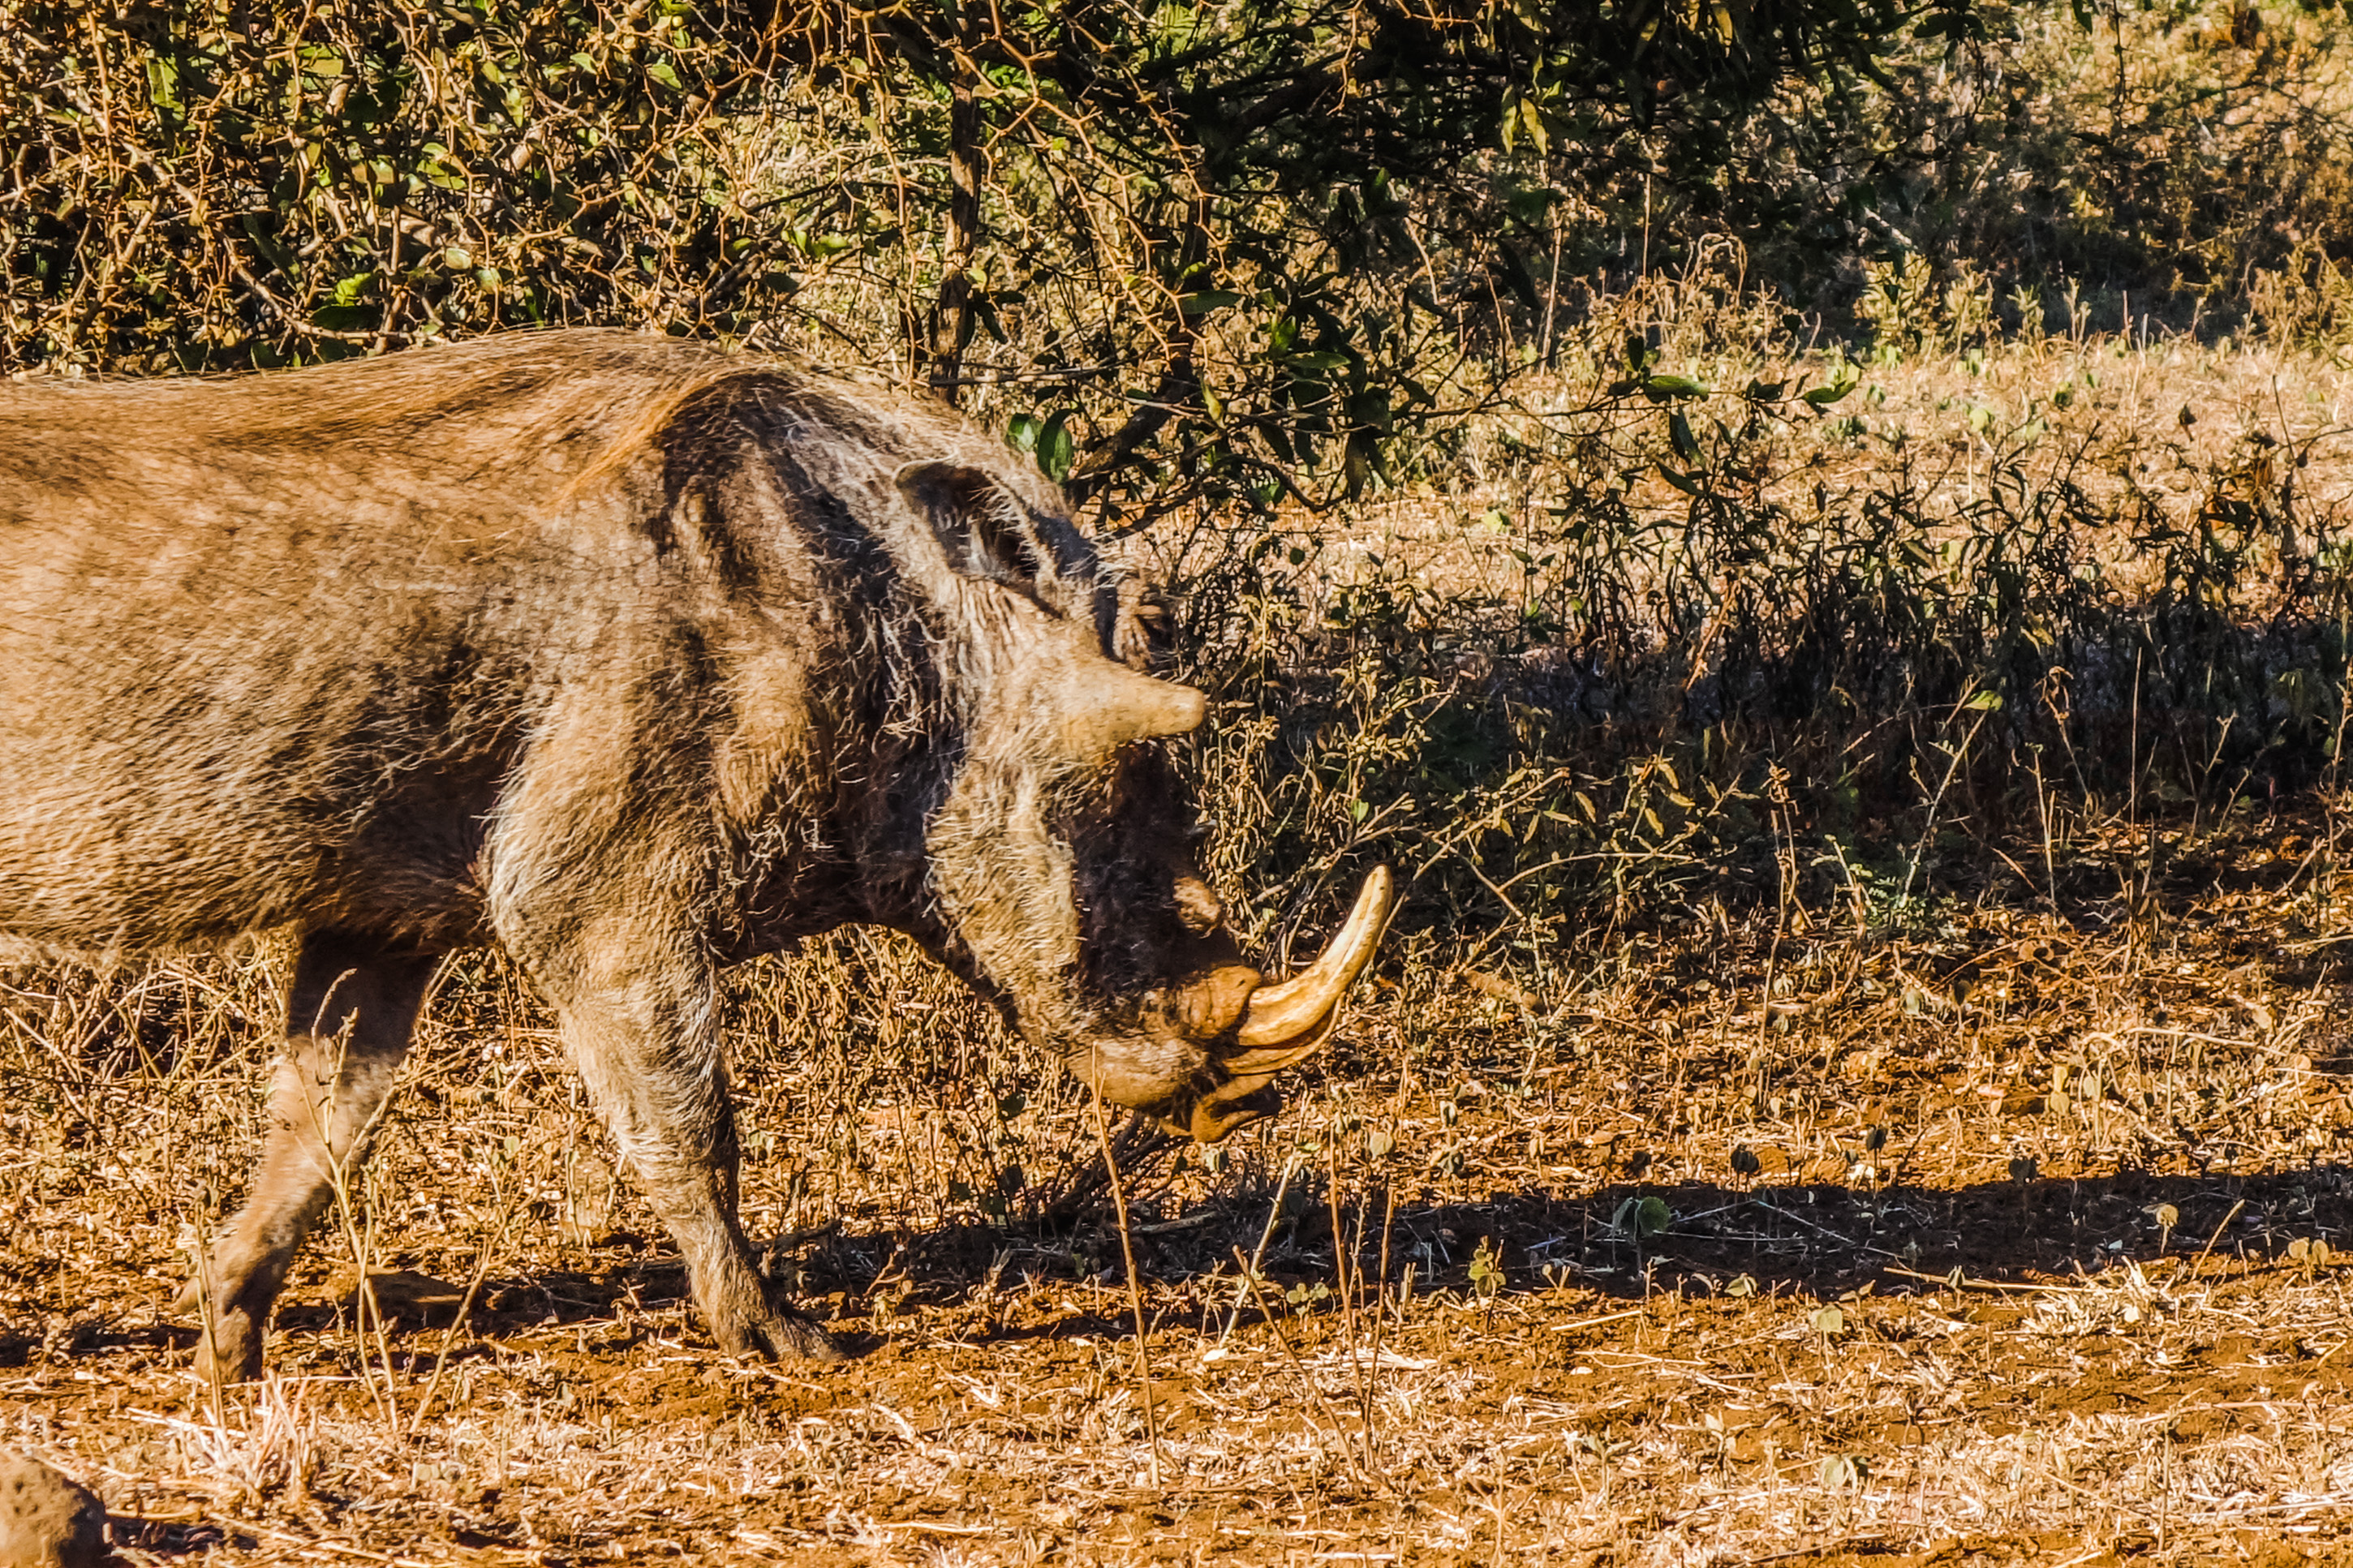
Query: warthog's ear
{"points": [[985, 528]]}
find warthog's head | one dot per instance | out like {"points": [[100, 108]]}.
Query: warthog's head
{"points": [[1057, 843]]}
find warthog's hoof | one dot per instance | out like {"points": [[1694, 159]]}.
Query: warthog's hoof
{"points": [[45, 1520], [229, 1348], [784, 1335]]}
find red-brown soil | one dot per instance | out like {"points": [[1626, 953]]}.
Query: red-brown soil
{"points": [[2013, 1239]]}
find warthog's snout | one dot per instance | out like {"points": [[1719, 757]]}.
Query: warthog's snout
{"points": [[1200, 1066], [1280, 1023]]}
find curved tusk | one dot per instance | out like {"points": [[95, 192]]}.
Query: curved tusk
{"points": [[1293, 1016]]}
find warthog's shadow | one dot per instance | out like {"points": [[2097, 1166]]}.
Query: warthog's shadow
{"points": [[1811, 1240]]}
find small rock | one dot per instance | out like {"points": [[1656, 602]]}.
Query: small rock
{"points": [[45, 1520]]}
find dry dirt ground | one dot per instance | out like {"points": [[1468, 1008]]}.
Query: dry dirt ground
{"points": [[2000, 1237]]}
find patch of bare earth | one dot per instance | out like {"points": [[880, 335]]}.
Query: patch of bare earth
{"points": [[2005, 1238]]}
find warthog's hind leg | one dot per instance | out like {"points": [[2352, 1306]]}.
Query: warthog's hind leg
{"points": [[349, 1016]]}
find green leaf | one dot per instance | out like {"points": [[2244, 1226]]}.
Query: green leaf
{"points": [[1984, 702], [1210, 299], [162, 82], [1642, 1218], [1842, 381], [1486, 1268], [984, 310], [1057, 450], [1021, 432], [661, 71], [1679, 435], [1675, 386], [1532, 121], [257, 228]]}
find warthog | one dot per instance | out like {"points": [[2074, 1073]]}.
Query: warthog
{"points": [[638, 659]]}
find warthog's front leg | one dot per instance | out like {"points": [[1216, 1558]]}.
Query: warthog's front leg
{"points": [[349, 1016], [641, 1019]]}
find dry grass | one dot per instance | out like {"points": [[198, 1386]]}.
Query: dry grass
{"points": [[2025, 1359], [2006, 1226]]}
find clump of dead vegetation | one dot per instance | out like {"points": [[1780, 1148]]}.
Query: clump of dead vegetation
{"points": [[1710, 617]]}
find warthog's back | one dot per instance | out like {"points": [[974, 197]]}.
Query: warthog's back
{"points": [[268, 645]]}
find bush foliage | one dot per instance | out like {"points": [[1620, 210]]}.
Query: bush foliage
{"points": [[1225, 249]]}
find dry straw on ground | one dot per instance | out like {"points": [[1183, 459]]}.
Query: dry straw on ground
{"points": [[2011, 1235]]}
